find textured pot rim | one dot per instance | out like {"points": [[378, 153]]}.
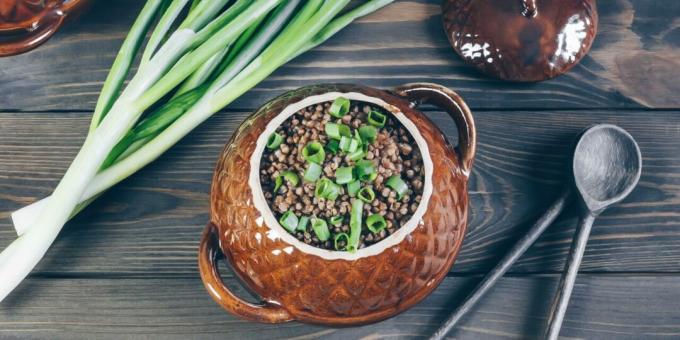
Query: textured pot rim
{"points": [[277, 232]]}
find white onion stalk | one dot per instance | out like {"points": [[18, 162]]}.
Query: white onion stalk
{"points": [[277, 42]]}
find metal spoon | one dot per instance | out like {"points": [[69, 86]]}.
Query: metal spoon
{"points": [[607, 166], [523, 244]]}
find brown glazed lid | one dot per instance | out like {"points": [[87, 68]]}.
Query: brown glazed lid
{"points": [[521, 40], [25, 24]]}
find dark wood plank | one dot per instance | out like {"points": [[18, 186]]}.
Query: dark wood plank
{"points": [[151, 223], [601, 307], [635, 61]]}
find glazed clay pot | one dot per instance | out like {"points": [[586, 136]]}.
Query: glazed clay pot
{"points": [[300, 282], [25, 24]]}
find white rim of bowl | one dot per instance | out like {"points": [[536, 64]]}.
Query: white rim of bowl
{"points": [[276, 231]]}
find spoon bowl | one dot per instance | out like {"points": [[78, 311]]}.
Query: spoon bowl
{"points": [[607, 165]]}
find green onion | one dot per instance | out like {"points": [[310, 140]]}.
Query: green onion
{"points": [[275, 139], [365, 170], [397, 184], [355, 225], [321, 229], [356, 155], [366, 194], [376, 118], [302, 223], [344, 175], [368, 133], [335, 131], [340, 107], [333, 146], [291, 177], [376, 223], [325, 188], [339, 238], [313, 152], [312, 173], [289, 221], [353, 188], [346, 144], [336, 220]]}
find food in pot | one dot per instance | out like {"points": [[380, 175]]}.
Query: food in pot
{"points": [[342, 175]]}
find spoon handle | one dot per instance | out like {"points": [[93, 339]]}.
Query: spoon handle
{"points": [[561, 299], [497, 272]]}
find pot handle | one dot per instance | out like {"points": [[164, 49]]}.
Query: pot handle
{"points": [[419, 93], [208, 255]]}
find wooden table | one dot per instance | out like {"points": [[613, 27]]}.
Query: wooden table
{"points": [[126, 267]]}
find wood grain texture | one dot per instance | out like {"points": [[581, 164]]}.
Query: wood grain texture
{"points": [[179, 308], [151, 223], [635, 61]]}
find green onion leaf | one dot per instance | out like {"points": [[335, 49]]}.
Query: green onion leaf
{"points": [[335, 131], [312, 173], [336, 220], [339, 238], [325, 188], [333, 146], [321, 229], [355, 225], [291, 177], [289, 221], [368, 133], [340, 107], [397, 184], [313, 153], [275, 139], [344, 175], [302, 223], [376, 118], [353, 188], [366, 194], [365, 170], [376, 223]]}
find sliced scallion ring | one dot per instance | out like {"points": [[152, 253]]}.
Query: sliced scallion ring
{"points": [[344, 175], [313, 152], [376, 223], [321, 229], [289, 221], [364, 170], [302, 223], [398, 185], [340, 107], [356, 155], [333, 146], [312, 173], [275, 139], [290, 177], [325, 188], [376, 118], [339, 238], [336, 220], [366, 194], [336, 131], [368, 133]]}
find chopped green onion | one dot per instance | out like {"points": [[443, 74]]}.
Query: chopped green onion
{"points": [[366, 194], [340, 107], [353, 188], [289, 220], [335, 131], [291, 177], [397, 184], [312, 173], [348, 144], [355, 225], [344, 175], [368, 133], [376, 118], [364, 170], [357, 136], [376, 223], [336, 220], [356, 155], [275, 139], [321, 229], [313, 152], [372, 177], [338, 238], [325, 188], [333, 146], [302, 223]]}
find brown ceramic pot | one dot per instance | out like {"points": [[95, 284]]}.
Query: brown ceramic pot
{"points": [[297, 281], [25, 24]]}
